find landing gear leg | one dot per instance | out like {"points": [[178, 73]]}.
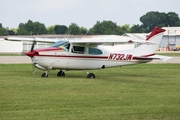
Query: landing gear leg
{"points": [[60, 73], [90, 75]]}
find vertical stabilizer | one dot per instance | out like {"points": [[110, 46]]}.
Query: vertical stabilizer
{"points": [[154, 37], [154, 33]]}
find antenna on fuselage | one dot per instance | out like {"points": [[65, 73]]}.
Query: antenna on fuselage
{"points": [[67, 34], [86, 33]]}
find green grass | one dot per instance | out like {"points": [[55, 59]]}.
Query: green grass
{"points": [[145, 91], [173, 53], [12, 54]]}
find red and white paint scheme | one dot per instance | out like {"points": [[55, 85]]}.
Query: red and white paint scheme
{"points": [[92, 53]]}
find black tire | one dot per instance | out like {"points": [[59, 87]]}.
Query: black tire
{"points": [[91, 75], [60, 73], [44, 75]]}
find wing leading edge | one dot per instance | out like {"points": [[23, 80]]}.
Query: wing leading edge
{"points": [[32, 39], [85, 41]]}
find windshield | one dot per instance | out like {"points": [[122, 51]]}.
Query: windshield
{"points": [[62, 44]]}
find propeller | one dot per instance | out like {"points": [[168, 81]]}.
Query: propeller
{"points": [[31, 52], [32, 48], [33, 44]]}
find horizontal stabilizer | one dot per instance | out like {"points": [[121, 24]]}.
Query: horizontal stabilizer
{"points": [[161, 57]]}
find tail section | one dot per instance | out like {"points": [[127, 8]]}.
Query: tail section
{"points": [[147, 52], [155, 32], [150, 49]]}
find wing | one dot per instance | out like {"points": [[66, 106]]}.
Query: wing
{"points": [[86, 41], [108, 41], [32, 39]]}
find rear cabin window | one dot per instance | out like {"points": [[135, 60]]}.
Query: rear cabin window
{"points": [[95, 51], [78, 49]]}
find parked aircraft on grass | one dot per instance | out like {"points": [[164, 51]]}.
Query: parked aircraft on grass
{"points": [[92, 53]]}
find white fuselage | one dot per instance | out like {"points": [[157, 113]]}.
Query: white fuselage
{"points": [[68, 60]]}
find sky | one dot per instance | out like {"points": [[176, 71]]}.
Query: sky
{"points": [[85, 13]]}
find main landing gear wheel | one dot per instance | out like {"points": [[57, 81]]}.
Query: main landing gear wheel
{"points": [[44, 75], [90, 75], [60, 73]]}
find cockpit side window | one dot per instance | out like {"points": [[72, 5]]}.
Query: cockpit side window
{"points": [[95, 51], [78, 49]]}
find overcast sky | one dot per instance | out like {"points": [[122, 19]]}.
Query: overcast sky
{"points": [[82, 12]]}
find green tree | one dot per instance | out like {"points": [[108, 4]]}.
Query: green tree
{"points": [[31, 28], [152, 19], [136, 29], [60, 29], [11, 32], [173, 19], [123, 29], [39, 28], [50, 30], [74, 29], [96, 29], [3, 31], [22, 30], [14, 29], [83, 31], [1, 25], [104, 28]]}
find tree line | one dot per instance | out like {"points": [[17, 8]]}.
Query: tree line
{"points": [[149, 21]]}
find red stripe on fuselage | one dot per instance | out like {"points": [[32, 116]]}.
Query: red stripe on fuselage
{"points": [[65, 56], [47, 49], [85, 57], [72, 56]]}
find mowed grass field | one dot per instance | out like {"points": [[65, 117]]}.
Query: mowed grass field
{"points": [[145, 91]]}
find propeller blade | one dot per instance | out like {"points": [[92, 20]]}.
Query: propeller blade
{"points": [[33, 44], [32, 48]]}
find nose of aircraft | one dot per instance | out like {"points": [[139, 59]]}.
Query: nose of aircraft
{"points": [[31, 54]]}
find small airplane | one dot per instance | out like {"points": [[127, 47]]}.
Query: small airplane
{"points": [[92, 53]]}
